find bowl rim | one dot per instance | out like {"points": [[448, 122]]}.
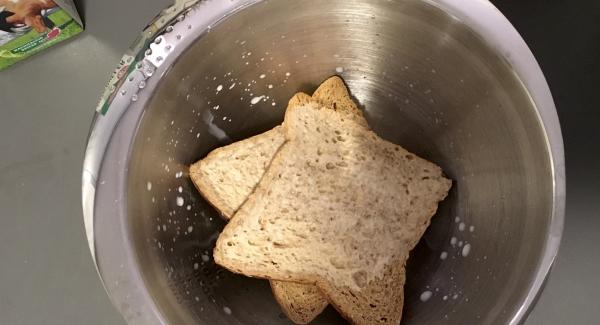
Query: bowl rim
{"points": [[130, 91]]}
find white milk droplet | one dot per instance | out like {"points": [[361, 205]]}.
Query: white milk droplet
{"points": [[339, 69], [190, 229], [472, 228], [457, 220], [443, 255], [180, 201], [149, 186], [196, 266], [466, 250], [270, 86], [426, 295], [180, 189], [453, 241], [262, 76], [445, 298], [460, 243], [219, 87], [461, 226], [257, 99], [205, 258], [287, 74], [227, 310], [164, 227]]}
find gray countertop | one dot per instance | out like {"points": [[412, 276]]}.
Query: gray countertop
{"points": [[46, 106]]}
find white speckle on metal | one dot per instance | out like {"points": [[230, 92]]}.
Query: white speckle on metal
{"points": [[443, 255], [256, 99], [466, 250], [426, 295]]}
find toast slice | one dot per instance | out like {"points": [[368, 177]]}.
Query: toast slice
{"points": [[338, 207], [301, 302], [228, 175]]}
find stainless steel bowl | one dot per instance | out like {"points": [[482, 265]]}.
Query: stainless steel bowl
{"points": [[451, 81]]}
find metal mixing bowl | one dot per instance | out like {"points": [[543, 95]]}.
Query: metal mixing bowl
{"points": [[449, 80]]}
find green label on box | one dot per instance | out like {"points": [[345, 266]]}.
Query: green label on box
{"points": [[26, 41]]}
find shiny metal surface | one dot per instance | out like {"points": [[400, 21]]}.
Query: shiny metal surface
{"points": [[431, 76]]}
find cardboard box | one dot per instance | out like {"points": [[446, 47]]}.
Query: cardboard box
{"points": [[30, 26]]}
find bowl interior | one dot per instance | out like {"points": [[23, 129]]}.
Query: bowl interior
{"points": [[424, 80]]}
